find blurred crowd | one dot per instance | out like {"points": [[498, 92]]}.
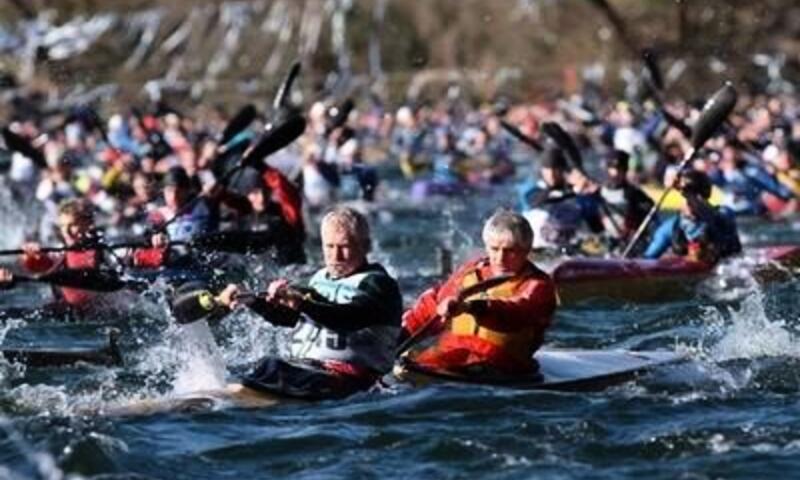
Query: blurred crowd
{"points": [[120, 163]]}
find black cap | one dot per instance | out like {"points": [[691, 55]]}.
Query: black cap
{"points": [[554, 158], [618, 159], [695, 182], [177, 177]]}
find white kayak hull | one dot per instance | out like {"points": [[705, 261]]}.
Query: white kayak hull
{"points": [[563, 370]]}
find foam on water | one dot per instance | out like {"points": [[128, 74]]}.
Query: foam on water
{"points": [[9, 370], [245, 337], [203, 368], [747, 332], [732, 280]]}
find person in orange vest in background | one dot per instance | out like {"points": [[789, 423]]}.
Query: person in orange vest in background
{"points": [[77, 228], [491, 331]]}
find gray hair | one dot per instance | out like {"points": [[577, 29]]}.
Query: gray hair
{"points": [[350, 220], [504, 220]]}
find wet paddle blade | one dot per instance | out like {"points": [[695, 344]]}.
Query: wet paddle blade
{"points": [[193, 306], [21, 145], [239, 122], [283, 92], [714, 113], [565, 141], [517, 133], [275, 140], [337, 116], [652, 69]]}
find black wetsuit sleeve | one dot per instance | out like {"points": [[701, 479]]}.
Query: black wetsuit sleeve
{"points": [[274, 314], [378, 303]]}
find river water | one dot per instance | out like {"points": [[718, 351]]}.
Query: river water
{"points": [[731, 411]]}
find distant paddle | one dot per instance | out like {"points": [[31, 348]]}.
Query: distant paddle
{"points": [[21, 145], [655, 80], [281, 99], [337, 116], [714, 113], [229, 241], [565, 141], [270, 142], [238, 123], [94, 280], [517, 133]]}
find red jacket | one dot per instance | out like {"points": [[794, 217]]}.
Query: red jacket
{"points": [[75, 260], [287, 196], [504, 330]]}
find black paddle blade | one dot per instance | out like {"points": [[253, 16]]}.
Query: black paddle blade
{"points": [[517, 133], [21, 145], [565, 141], [676, 122], [285, 89], [337, 116], [275, 139], [94, 280], [193, 306], [653, 71], [239, 122], [714, 113]]}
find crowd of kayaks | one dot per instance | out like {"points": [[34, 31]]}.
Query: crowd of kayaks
{"points": [[577, 279]]}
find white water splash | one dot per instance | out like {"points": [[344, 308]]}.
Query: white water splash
{"points": [[204, 368], [747, 332], [247, 337], [9, 370], [732, 280]]}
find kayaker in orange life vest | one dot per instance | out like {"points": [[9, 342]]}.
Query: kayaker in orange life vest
{"points": [[494, 331], [76, 227]]}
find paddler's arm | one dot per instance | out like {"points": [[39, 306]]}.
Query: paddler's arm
{"points": [[769, 183], [154, 256], [36, 261], [378, 301], [534, 302], [286, 194], [423, 310], [273, 312], [662, 239]]}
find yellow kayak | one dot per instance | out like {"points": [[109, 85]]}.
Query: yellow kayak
{"points": [[674, 200]]}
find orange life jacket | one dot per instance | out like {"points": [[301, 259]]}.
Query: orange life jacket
{"points": [[467, 339]]}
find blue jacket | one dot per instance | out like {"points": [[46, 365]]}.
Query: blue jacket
{"points": [[675, 232]]}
